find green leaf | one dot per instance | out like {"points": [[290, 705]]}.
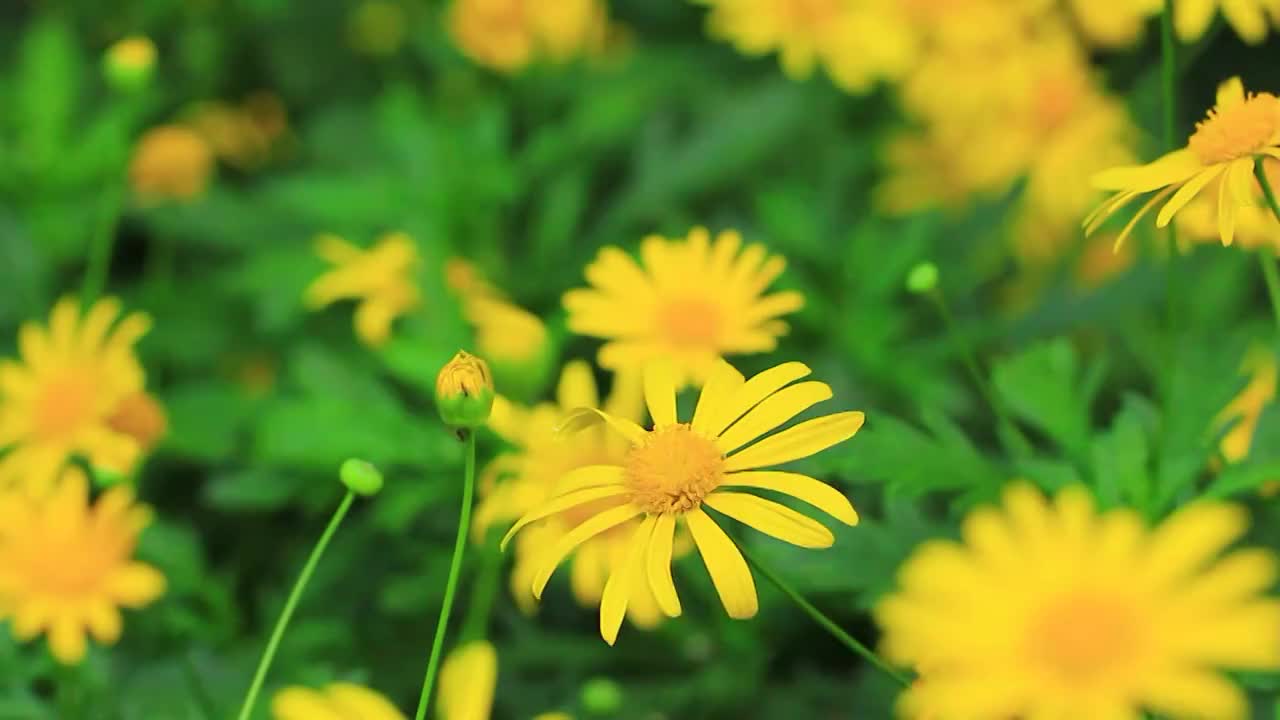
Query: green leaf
{"points": [[1121, 459], [1044, 386], [1260, 467], [46, 90]]}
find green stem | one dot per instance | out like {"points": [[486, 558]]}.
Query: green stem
{"points": [[1267, 256], [291, 603], [1010, 432], [485, 590], [455, 569], [827, 623], [1169, 85], [101, 244]]}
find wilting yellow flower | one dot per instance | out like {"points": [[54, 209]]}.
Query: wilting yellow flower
{"points": [[856, 41], [692, 301], [76, 392], [507, 35], [336, 701], [1247, 17], [66, 565], [672, 471], [1223, 149], [1113, 23], [381, 278], [1057, 610], [170, 162], [526, 478], [468, 679], [242, 135]]}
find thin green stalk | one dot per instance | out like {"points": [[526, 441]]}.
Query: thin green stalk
{"points": [[291, 603], [485, 590], [101, 245], [1267, 256], [455, 569], [1021, 446], [827, 623], [1169, 85]]}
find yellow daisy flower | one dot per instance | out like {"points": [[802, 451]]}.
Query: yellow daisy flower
{"points": [[1223, 148], [381, 278], [170, 162], [507, 35], [336, 701], [1057, 610], [72, 394], [468, 679], [857, 42], [672, 471], [1249, 18], [66, 564], [525, 479], [692, 301]]}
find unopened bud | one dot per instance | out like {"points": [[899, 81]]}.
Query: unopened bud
{"points": [[130, 63], [464, 391], [601, 696], [360, 477], [923, 278]]}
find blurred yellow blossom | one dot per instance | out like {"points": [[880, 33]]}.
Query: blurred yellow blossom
{"points": [[468, 679], [1246, 408], [79, 390], [242, 135], [381, 279], [130, 62], [1249, 18], [1053, 609], [170, 162], [336, 701], [507, 35], [689, 300], [66, 564], [1113, 23]]}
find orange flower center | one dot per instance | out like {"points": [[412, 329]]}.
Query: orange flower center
{"points": [[690, 323], [65, 405], [1239, 131], [673, 470], [1084, 636]]}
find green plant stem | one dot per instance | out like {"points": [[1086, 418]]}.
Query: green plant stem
{"points": [[101, 245], [455, 569], [1021, 446], [291, 603], [485, 590], [827, 623], [1169, 86], [1267, 256]]}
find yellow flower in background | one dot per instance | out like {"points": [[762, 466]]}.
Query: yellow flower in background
{"points": [[692, 301], [1260, 364], [1113, 23], [381, 279], [66, 565], [466, 281], [468, 679], [1057, 610], [1222, 150], [507, 35], [672, 471], [336, 701], [856, 41], [1249, 18], [243, 135], [78, 390], [526, 478], [130, 62], [170, 162]]}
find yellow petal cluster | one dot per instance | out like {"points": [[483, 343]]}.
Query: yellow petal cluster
{"points": [[508, 35], [335, 701], [381, 279]]}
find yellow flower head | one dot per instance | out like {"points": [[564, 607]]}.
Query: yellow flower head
{"points": [[856, 41], [507, 35], [1056, 610], [464, 391], [130, 62], [672, 471], [1222, 149], [526, 478], [242, 135], [1247, 17], [66, 564], [347, 701], [692, 301], [468, 679], [170, 162], [77, 391], [380, 278]]}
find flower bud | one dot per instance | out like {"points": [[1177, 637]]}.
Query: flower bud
{"points": [[130, 63], [601, 696], [464, 391], [923, 278], [360, 477]]}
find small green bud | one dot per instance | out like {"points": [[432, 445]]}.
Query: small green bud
{"points": [[923, 278], [464, 391], [360, 477], [130, 63], [601, 696]]}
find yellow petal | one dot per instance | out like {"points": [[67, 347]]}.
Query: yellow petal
{"points": [[468, 680], [660, 393], [1248, 20], [30, 618], [1191, 18], [1189, 538], [1226, 212], [1193, 693], [588, 575], [136, 584], [771, 518], [299, 703], [103, 620], [613, 604], [66, 640], [1189, 190], [728, 570], [718, 391], [1230, 93], [1146, 208], [577, 386], [560, 504], [754, 390], [1170, 169], [581, 418], [802, 487], [798, 441], [575, 537], [658, 563], [773, 411], [588, 476]]}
